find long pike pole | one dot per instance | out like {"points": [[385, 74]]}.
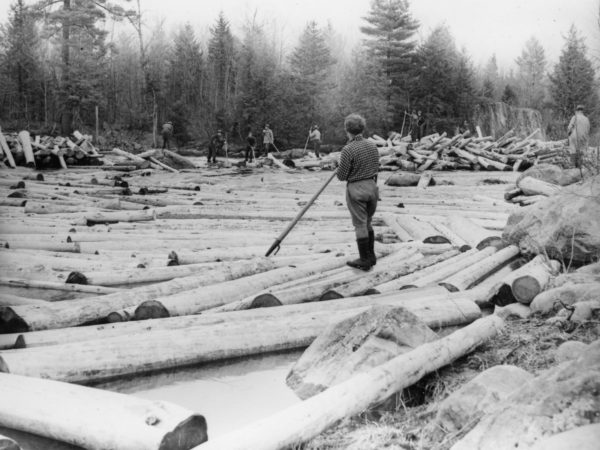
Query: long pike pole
{"points": [[299, 216]]}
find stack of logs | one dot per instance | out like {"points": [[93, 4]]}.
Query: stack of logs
{"points": [[43, 152], [439, 152]]}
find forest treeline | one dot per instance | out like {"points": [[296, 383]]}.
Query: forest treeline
{"points": [[59, 68]]}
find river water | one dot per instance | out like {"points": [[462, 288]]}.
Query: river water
{"points": [[229, 394]]}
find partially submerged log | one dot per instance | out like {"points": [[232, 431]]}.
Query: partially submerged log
{"points": [[301, 422], [94, 418]]}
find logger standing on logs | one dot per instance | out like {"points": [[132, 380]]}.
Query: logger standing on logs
{"points": [[250, 146], [216, 144], [167, 132], [359, 163], [315, 138], [268, 139], [579, 133]]}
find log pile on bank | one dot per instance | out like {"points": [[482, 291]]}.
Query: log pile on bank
{"points": [[89, 256]]}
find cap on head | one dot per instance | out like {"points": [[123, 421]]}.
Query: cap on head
{"points": [[579, 108], [219, 131], [355, 124], [169, 122]]}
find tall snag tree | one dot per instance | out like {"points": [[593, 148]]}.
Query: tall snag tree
{"points": [[531, 74], [74, 24], [573, 80], [311, 63], [389, 38]]}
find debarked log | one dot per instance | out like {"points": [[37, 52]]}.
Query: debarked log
{"points": [[469, 276], [106, 358], [533, 186], [301, 422], [120, 216], [55, 285], [94, 418], [476, 236], [77, 312], [25, 139]]}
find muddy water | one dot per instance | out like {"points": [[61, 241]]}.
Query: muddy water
{"points": [[229, 395]]}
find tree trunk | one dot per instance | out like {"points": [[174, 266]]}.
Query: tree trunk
{"points": [[94, 418], [302, 422]]}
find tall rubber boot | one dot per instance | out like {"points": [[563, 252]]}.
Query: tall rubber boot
{"points": [[363, 263], [372, 257]]}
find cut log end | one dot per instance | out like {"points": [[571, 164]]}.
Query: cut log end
{"points": [[39, 177], [115, 317], [494, 241], [20, 342], [172, 262], [151, 309], [408, 286], [371, 291], [188, 434], [450, 287], [464, 248], [436, 240], [11, 322], [525, 289], [3, 366], [77, 278], [265, 301], [330, 295]]}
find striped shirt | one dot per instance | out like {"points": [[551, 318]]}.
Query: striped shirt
{"points": [[359, 160]]}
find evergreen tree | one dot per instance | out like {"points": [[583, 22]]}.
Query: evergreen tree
{"points": [[509, 96], [532, 67], [221, 62], [20, 86], [390, 30], [490, 80], [310, 63], [83, 48], [573, 80], [464, 86]]}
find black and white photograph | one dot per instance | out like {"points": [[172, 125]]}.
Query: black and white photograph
{"points": [[299, 224]]}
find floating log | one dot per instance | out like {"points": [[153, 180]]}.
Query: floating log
{"points": [[420, 230], [14, 300], [301, 422], [25, 140], [95, 418], [467, 277], [119, 216], [476, 236], [405, 298], [105, 358], [57, 286], [77, 312], [437, 272]]}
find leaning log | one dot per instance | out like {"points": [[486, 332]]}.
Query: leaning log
{"points": [[95, 418], [25, 140], [182, 161], [134, 354], [6, 150], [301, 422]]}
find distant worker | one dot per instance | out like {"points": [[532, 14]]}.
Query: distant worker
{"points": [[464, 127], [420, 126], [216, 143], [268, 139], [579, 134], [250, 146], [359, 163], [167, 133], [413, 125], [315, 138]]}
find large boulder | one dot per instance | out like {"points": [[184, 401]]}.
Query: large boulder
{"points": [[565, 226], [356, 344], [566, 295], [585, 274], [552, 173], [559, 399], [479, 396]]}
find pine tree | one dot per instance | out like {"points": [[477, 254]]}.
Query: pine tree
{"points": [[509, 96], [531, 74], [221, 62], [390, 30], [490, 89], [310, 63], [82, 42], [464, 86], [573, 80], [20, 67]]}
